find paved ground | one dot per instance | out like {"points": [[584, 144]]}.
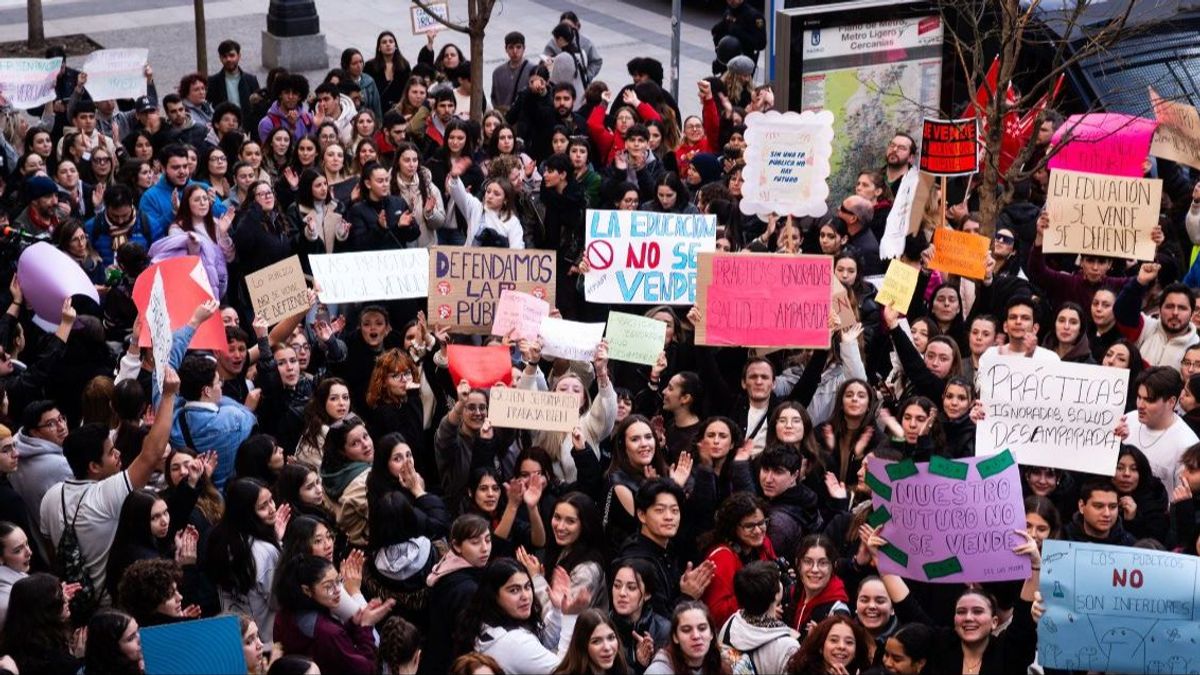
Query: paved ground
{"points": [[621, 30]]}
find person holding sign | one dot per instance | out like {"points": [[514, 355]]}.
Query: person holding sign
{"points": [[465, 439], [493, 221], [970, 647], [596, 417], [1077, 287]]}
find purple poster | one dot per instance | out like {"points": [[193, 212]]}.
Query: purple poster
{"points": [[949, 521]]}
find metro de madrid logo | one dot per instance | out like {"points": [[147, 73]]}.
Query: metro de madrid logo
{"points": [[815, 40]]}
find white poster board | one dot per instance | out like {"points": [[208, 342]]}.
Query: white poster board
{"points": [[787, 163], [372, 275], [116, 73]]}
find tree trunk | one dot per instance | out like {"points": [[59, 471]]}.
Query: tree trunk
{"points": [[477, 74], [201, 39], [37, 27]]}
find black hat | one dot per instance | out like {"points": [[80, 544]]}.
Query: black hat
{"points": [[143, 104]]}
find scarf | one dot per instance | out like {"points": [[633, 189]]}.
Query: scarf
{"points": [[336, 482]]}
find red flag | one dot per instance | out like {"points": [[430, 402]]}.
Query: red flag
{"points": [[1018, 132]]}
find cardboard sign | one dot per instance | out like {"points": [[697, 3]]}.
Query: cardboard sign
{"points": [[480, 366], [961, 253], [840, 305], [465, 283], [949, 521], [898, 286], [519, 315], [950, 147], [645, 258], [201, 646], [907, 211], [278, 291], [116, 73], [1118, 610], [28, 83], [514, 408], [787, 163], [1051, 413], [1107, 143], [393, 274], [159, 320], [1177, 136], [185, 284], [423, 23], [765, 300], [635, 338], [1102, 215], [570, 340]]}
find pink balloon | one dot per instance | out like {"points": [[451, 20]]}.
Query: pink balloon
{"points": [[48, 276]]}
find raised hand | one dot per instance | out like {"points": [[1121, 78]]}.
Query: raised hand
{"points": [[836, 488], [515, 489], [577, 440], [374, 612], [185, 546], [68, 313], [695, 580], [283, 515], [682, 470], [530, 562], [352, 572], [203, 311], [1182, 491], [534, 486], [644, 651]]}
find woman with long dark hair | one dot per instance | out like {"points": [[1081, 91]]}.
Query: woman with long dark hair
{"points": [[635, 456], [330, 403], [1142, 498], [642, 630], [114, 646], [348, 453], [243, 551], [452, 584], [415, 184], [263, 236], [505, 620], [848, 433], [740, 537], [317, 215], [307, 592], [41, 641], [142, 534], [405, 520], [595, 647], [196, 232], [309, 535], [300, 487]]}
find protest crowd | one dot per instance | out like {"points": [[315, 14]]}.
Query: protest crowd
{"points": [[432, 481]]}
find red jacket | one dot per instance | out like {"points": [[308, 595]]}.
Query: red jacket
{"points": [[335, 647], [707, 143], [821, 606], [609, 142], [719, 596]]}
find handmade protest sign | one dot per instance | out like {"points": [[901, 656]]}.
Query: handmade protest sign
{"points": [[787, 163], [950, 147], [1177, 136], [465, 283], [278, 291], [1114, 609], [907, 211], [570, 340], [210, 646], [116, 73], [519, 315], [423, 22], [841, 306], [28, 83], [640, 257], [482, 367], [392, 274], [159, 321], [1102, 215], [949, 521], [898, 286], [634, 338], [514, 408], [1051, 413], [185, 284], [1109, 143], [764, 300], [961, 253]]}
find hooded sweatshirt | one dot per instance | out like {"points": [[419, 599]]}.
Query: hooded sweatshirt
{"points": [[831, 600], [769, 642], [42, 466]]}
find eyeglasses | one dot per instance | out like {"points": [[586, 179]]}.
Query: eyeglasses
{"points": [[301, 347], [264, 193], [218, 158], [1004, 239], [756, 525], [809, 564], [8, 449], [59, 421], [101, 160]]}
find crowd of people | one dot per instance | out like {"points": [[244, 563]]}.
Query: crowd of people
{"points": [[327, 482]]}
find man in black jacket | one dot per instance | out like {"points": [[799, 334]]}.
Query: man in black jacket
{"points": [[657, 505], [533, 116], [741, 27], [233, 84], [565, 205]]}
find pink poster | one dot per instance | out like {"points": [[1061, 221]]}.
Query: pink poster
{"points": [[1107, 143], [767, 300]]}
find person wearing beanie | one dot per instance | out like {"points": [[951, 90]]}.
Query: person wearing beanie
{"points": [[741, 30], [512, 76], [703, 169], [43, 213], [741, 65]]}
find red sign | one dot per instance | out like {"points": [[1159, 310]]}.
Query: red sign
{"points": [[950, 147]]}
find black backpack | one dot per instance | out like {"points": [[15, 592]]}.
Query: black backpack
{"points": [[70, 564]]}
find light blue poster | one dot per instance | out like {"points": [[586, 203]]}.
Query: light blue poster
{"points": [[204, 646], [1118, 610]]}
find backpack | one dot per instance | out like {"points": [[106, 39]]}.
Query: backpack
{"points": [[739, 662], [70, 564]]}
